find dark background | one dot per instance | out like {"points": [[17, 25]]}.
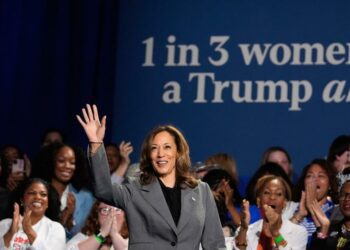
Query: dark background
{"points": [[55, 57]]}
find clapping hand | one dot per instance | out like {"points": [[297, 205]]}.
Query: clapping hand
{"points": [[319, 217], [125, 151], [310, 192], [27, 224], [16, 219], [274, 219]]}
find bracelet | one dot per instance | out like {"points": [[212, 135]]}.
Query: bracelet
{"points": [[95, 142], [321, 235], [241, 244], [280, 241], [298, 220], [100, 239]]}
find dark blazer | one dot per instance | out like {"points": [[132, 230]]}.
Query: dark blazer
{"points": [[151, 225], [331, 241]]}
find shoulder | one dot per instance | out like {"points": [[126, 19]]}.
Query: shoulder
{"points": [[82, 193], [202, 186], [254, 229], [202, 189], [54, 225], [295, 228], [5, 222], [134, 181], [256, 224]]}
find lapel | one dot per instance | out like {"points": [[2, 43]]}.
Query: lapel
{"points": [[153, 194], [189, 200]]}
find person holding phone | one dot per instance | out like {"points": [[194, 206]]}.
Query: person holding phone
{"points": [[166, 207], [16, 166]]}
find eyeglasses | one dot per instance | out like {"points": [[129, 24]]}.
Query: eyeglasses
{"points": [[344, 196], [107, 210]]}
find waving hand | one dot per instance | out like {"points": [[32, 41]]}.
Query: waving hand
{"points": [[94, 128]]}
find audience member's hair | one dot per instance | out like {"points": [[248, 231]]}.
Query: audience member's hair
{"points": [[300, 186], [214, 178], [44, 165], [268, 168], [339, 145], [53, 209], [225, 162], [264, 180], [92, 226]]}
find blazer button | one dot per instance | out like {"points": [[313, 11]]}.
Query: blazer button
{"points": [[173, 243]]}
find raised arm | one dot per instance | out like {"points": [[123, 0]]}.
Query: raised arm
{"points": [[95, 132], [241, 238], [93, 127]]}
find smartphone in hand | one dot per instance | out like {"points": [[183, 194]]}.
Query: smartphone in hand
{"points": [[18, 166]]}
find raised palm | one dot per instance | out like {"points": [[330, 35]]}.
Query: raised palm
{"points": [[94, 128]]}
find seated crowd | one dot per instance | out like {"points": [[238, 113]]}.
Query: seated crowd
{"points": [[47, 202]]}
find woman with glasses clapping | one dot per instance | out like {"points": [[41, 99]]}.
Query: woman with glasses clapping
{"points": [[105, 228], [333, 235]]}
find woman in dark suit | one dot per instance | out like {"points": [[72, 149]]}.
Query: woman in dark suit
{"points": [[166, 208]]}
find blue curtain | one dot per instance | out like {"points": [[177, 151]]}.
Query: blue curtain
{"points": [[55, 57]]}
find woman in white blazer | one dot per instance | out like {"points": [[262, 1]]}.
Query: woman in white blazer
{"points": [[272, 231], [166, 208]]}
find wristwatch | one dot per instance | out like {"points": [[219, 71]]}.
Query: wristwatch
{"points": [[100, 238]]}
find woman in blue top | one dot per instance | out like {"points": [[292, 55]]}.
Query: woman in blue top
{"points": [[65, 167]]}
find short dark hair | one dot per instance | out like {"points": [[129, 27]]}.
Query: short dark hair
{"points": [[339, 145], [54, 203]]}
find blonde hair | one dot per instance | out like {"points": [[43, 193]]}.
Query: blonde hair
{"points": [[225, 162]]}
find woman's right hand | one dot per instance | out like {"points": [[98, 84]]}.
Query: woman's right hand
{"points": [[126, 149], [94, 129], [302, 212], [106, 225], [16, 219], [310, 192]]}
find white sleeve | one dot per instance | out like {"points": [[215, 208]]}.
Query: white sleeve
{"points": [[72, 244], [55, 237], [4, 227]]}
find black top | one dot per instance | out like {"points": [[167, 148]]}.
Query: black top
{"points": [[173, 199], [337, 239]]}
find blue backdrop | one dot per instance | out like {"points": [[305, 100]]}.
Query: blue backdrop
{"points": [[235, 76]]}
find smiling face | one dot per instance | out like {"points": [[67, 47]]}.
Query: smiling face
{"points": [[318, 175], [273, 194], [163, 154], [35, 197], [64, 164]]}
